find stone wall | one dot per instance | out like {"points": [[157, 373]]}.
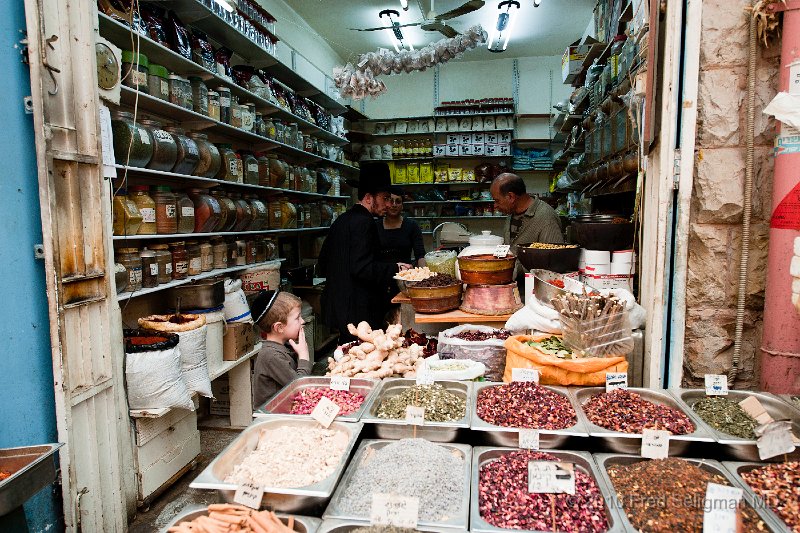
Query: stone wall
{"points": [[716, 209]]}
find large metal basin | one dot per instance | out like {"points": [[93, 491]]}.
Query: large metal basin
{"points": [[345, 526], [736, 469], [31, 467], [302, 524], [291, 500]]}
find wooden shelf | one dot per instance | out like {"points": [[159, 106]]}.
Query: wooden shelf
{"points": [[439, 158], [450, 317]]}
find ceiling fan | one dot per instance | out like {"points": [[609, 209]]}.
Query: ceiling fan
{"points": [[434, 22]]}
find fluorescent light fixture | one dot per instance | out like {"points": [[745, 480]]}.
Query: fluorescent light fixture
{"points": [[404, 4], [498, 38], [227, 5]]}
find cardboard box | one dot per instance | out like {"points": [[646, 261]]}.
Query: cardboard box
{"points": [[490, 149], [504, 137], [479, 138], [413, 172], [239, 338], [491, 138], [452, 150], [504, 149], [574, 55], [465, 149], [439, 150], [452, 139], [478, 149], [465, 138]]}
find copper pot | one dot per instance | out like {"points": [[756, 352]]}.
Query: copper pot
{"points": [[486, 269], [591, 176], [615, 168], [630, 163], [602, 172]]}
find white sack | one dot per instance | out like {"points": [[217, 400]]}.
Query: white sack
{"points": [[154, 380], [194, 363]]}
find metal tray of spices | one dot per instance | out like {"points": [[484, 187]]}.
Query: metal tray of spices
{"points": [[743, 449], [631, 443], [583, 462], [788, 399], [302, 524], [388, 428], [31, 467], [281, 403], [736, 469], [345, 526], [604, 460], [290, 500], [509, 436], [460, 522]]}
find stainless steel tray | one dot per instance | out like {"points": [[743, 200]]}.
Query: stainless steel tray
{"points": [[632, 442], [302, 524], [290, 500], [509, 436], [743, 449], [281, 403], [604, 460], [583, 461], [32, 468], [345, 526], [460, 522], [386, 428], [788, 399], [736, 469]]}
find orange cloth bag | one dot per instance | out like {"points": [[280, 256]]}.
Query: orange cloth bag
{"points": [[555, 371]]}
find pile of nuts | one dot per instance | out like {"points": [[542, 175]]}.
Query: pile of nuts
{"points": [[667, 495], [439, 280], [524, 404], [504, 500], [307, 399], [476, 336], [626, 411], [779, 486]]}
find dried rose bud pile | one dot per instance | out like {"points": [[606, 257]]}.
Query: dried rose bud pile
{"points": [[667, 495], [626, 411], [307, 399], [524, 404], [504, 500], [501, 334], [779, 486]]}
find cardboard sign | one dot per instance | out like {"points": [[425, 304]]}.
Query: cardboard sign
{"points": [[616, 380], [525, 374], [529, 439], [753, 407], [393, 510], [325, 412], [719, 508], [655, 444], [249, 495], [415, 415], [502, 250], [716, 385], [340, 383], [551, 477]]}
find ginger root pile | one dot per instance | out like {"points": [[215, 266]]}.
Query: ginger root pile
{"points": [[379, 355]]}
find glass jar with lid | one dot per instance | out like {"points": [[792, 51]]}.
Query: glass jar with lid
{"points": [[164, 260], [263, 169], [236, 112], [280, 131], [134, 70], [298, 180], [229, 167], [250, 256], [207, 211], [176, 90], [149, 268], [213, 105], [188, 152], [248, 116], [133, 263], [278, 171], [241, 252], [185, 213], [308, 144], [261, 250], [269, 129], [272, 249], [289, 217], [147, 208], [195, 263], [291, 135], [158, 81], [127, 217], [199, 95], [250, 168], [260, 209], [243, 213], [166, 209], [133, 144], [233, 252], [275, 214], [228, 208], [209, 161], [224, 104], [165, 151], [180, 260], [239, 168], [311, 180], [206, 257], [219, 250]]}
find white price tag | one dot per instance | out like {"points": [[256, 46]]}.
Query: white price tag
{"points": [[415, 415], [249, 495], [551, 477], [775, 439], [325, 412], [525, 374], [655, 444], [716, 385], [719, 508], [753, 407], [393, 510], [340, 383], [529, 439], [502, 250], [616, 380]]}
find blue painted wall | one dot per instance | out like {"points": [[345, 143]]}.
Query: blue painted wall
{"points": [[27, 405]]}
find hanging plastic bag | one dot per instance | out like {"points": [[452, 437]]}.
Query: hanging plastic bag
{"points": [[490, 352]]}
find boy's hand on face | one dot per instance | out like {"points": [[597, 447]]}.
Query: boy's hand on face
{"points": [[300, 346]]}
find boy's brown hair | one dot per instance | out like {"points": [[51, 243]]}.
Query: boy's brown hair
{"points": [[284, 303]]}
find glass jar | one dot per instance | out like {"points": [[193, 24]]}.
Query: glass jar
{"points": [[291, 135], [185, 213], [233, 252], [158, 82], [134, 70], [213, 105], [298, 179], [248, 116], [224, 104], [301, 216], [164, 260], [127, 217], [275, 214], [263, 169], [308, 144], [229, 169], [149, 268], [195, 263], [219, 249], [188, 153], [244, 214], [261, 250], [166, 209], [165, 151], [206, 257], [258, 126], [133, 263], [209, 161], [289, 216], [280, 131], [241, 252], [316, 146], [250, 258], [269, 129], [315, 215], [176, 90], [311, 180], [236, 113], [127, 135], [207, 211], [180, 260], [199, 95], [272, 249], [277, 172], [250, 168], [260, 209], [147, 208], [228, 210]]}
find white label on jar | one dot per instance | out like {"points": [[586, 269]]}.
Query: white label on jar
{"points": [[144, 136], [191, 148], [168, 270], [277, 214], [233, 167], [195, 264], [138, 78], [148, 214], [162, 135], [187, 211], [164, 87], [154, 269], [181, 267], [252, 167], [170, 210], [224, 101], [135, 276]]}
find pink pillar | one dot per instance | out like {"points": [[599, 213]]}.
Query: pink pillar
{"points": [[780, 347]]}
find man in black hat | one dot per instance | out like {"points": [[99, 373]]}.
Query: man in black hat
{"points": [[355, 279]]}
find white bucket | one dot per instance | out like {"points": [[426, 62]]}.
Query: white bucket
{"points": [[266, 277], [236, 307]]}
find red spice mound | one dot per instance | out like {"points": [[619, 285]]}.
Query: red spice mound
{"points": [[4, 475], [307, 399], [524, 404], [626, 411]]}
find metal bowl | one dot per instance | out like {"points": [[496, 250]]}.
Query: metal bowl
{"points": [[205, 294], [302, 524], [604, 235], [543, 291], [736, 469], [31, 467], [557, 259]]}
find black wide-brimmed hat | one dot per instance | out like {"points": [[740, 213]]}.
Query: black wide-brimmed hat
{"points": [[373, 177]]}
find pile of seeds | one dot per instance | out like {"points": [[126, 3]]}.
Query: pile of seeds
{"points": [[440, 405], [667, 495], [439, 280], [470, 335], [726, 416], [524, 404], [409, 467], [626, 411], [504, 500], [779, 486], [307, 399]]}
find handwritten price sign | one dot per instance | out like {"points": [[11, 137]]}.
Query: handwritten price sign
{"points": [[393, 510], [325, 412]]}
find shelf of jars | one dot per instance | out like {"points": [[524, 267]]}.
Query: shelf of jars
{"points": [[467, 183], [180, 236], [457, 217], [425, 202], [437, 158], [119, 34], [431, 133]]}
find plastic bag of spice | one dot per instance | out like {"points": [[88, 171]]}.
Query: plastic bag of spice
{"points": [[222, 58], [483, 344], [202, 52], [156, 22], [554, 370], [178, 36]]}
